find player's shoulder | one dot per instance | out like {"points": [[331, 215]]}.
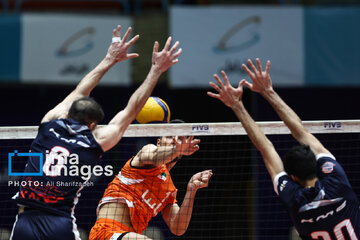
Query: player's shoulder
{"points": [[149, 148], [282, 181], [325, 156]]}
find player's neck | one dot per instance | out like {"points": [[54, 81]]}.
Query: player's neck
{"points": [[309, 183]]}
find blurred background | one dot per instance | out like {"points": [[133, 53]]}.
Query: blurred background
{"points": [[47, 47]]}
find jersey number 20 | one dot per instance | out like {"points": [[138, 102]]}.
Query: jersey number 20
{"points": [[344, 225]]}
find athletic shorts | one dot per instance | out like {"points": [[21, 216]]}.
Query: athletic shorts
{"points": [[108, 229], [33, 224]]}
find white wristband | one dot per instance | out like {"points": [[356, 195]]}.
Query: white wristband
{"points": [[115, 39]]}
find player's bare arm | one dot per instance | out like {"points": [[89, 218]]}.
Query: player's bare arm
{"points": [[178, 218], [117, 52], [261, 83], [232, 97], [156, 155], [108, 136]]}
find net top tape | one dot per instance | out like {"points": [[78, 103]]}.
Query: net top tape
{"points": [[203, 129]]}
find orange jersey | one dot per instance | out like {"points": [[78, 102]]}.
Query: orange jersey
{"points": [[145, 191]]}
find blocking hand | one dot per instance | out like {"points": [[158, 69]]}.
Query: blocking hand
{"points": [[226, 93], [117, 51], [261, 80], [167, 57]]}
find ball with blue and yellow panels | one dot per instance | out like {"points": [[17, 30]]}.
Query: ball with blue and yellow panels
{"points": [[155, 110]]}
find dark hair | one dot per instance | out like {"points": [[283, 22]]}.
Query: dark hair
{"points": [[174, 121], [86, 110], [300, 161]]}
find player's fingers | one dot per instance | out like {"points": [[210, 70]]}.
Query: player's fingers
{"points": [[114, 33], [258, 64], [249, 85], [204, 183], [218, 80], [177, 54], [118, 34], [206, 172], [206, 177], [156, 47], [167, 44], [132, 55], [241, 83], [182, 139], [226, 80], [267, 66], [127, 34], [213, 95], [214, 86], [174, 47], [196, 141], [252, 66], [133, 40], [246, 69]]}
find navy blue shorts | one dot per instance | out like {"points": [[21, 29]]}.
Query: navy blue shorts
{"points": [[38, 225]]}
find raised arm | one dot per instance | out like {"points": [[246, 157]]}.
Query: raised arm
{"points": [[232, 97], [261, 83], [178, 218], [109, 135], [156, 155], [117, 52]]}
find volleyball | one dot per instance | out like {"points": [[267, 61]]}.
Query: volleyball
{"points": [[155, 110]]}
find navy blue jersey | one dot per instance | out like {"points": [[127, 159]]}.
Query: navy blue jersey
{"points": [[69, 152], [330, 210]]}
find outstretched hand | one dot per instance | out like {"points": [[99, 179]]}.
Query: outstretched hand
{"points": [[117, 51], [186, 145], [261, 80], [225, 92], [200, 180], [167, 57]]}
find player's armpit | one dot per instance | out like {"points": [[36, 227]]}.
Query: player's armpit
{"points": [[314, 144], [62, 109]]}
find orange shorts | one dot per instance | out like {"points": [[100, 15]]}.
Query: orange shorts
{"points": [[105, 229]]}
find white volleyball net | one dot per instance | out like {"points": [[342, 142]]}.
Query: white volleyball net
{"points": [[239, 202]]}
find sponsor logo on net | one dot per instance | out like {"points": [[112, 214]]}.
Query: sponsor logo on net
{"points": [[58, 162]]}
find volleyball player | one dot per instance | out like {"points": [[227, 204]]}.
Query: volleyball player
{"points": [[143, 188], [311, 184], [68, 138]]}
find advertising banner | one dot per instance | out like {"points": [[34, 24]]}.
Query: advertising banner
{"points": [[219, 38], [64, 48]]}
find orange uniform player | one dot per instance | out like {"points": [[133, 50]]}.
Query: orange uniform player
{"points": [[150, 190], [143, 188]]}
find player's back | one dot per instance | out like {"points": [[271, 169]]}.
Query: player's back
{"points": [[330, 210], [69, 151], [329, 219]]}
